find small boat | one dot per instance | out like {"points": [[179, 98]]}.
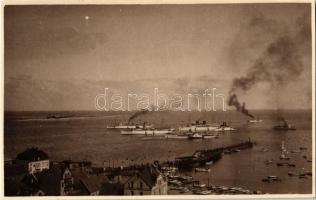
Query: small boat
{"points": [[255, 120], [202, 170], [175, 182], [224, 127], [303, 148], [209, 136], [296, 151], [206, 192], [264, 149], [223, 188], [227, 152], [130, 126], [273, 178], [268, 162], [185, 178], [292, 173], [147, 132], [291, 165], [283, 152], [302, 175], [284, 127], [308, 173], [280, 164], [169, 169], [265, 180], [198, 127], [284, 157], [184, 190], [209, 163], [173, 176], [199, 185], [195, 136], [258, 192], [176, 136]]}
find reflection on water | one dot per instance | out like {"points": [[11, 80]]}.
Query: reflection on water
{"points": [[85, 137]]}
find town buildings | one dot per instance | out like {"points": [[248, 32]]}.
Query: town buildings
{"points": [[33, 174]]}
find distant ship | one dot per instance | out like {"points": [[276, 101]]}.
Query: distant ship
{"points": [[255, 120], [192, 135], [224, 127], [195, 136], [58, 116], [147, 132], [130, 126], [284, 152], [284, 127], [198, 127]]}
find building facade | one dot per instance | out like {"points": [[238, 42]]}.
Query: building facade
{"points": [[38, 166], [146, 182]]}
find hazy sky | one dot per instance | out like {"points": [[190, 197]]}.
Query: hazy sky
{"points": [[142, 42]]}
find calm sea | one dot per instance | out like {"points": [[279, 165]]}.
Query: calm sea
{"points": [[83, 136]]}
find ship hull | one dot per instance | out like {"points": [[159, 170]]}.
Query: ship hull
{"points": [[147, 132]]}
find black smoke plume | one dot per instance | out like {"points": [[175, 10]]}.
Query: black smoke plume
{"points": [[279, 64], [137, 114], [233, 101]]}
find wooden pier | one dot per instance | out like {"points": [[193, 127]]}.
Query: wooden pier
{"points": [[200, 157]]}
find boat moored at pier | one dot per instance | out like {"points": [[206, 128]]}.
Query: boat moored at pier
{"points": [[284, 127], [129, 126], [146, 132], [224, 127], [198, 127]]}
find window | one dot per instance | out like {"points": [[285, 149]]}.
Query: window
{"points": [[141, 185], [140, 193], [132, 193], [132, 184]]}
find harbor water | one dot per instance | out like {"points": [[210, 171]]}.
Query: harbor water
{"points": [[84, 136]]}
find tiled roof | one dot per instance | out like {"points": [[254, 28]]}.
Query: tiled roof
{"points": [[91, 182], [149, 176], [112, 189]]}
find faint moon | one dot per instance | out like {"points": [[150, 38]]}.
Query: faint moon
{"points": [[86, 17]]}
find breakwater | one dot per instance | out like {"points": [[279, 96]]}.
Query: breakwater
{"points": [[201, 157]]}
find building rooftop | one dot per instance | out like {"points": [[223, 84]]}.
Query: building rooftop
{"points": [[112, 189], [91, 182], [148, 174], [32, 154]]}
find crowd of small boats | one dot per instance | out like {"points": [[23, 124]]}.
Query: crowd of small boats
{"points": [[285, 161], [187, 184]]}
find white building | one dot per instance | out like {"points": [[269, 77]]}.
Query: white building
{"points": [[37, 160]]}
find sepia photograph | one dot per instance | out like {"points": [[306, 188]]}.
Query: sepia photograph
{"points": [[193, 100]]}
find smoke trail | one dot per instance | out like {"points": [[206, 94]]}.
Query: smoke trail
{"points": [[137, 114], [279, 64], [233, 101]]}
